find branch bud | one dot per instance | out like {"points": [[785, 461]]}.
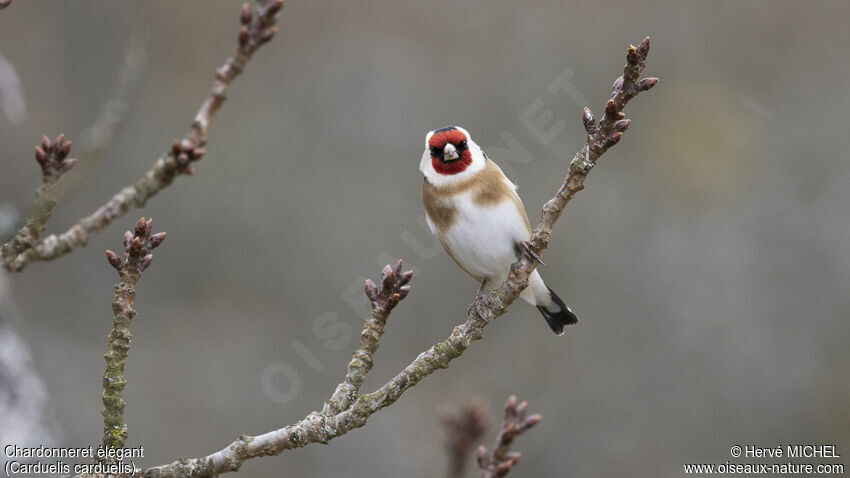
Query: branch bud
{"points": [[588, 120], [157, 239], [274, 7], [64, 150], [245, 15], [267, 34], [533, 420], [521, 409], [146, 261], [67, 165], [482, 456], [40, 155], [643, 48], [136, 247], [113, 259], [611, 108], [618, 83], [387, 276], [632, 57], [622, 125], [140, 227], [647, 83], [371, 290], [244, 37]]}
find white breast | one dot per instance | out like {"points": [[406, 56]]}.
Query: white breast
{"points": [[483, 238]]}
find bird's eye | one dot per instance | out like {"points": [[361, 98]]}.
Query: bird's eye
{"points": [[462, 145], [436, 152]]}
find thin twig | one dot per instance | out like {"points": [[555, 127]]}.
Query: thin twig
{"points": [[393, 289], [600, 136], [515, 423], [258, 27], [318, 427], [137, 257], [52, 157]]}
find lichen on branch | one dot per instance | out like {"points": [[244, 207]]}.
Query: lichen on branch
{"points": [[347, 410], [258, 27], [138, 246], [393, 289], [52, 158]]}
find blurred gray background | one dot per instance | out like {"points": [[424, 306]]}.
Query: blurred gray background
{"points": [[708, 259]]}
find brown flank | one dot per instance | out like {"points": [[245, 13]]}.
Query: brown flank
{"points": [[488, 189]]}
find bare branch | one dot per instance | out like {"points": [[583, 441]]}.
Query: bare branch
{"points": [[393, 289], [600, 137], [503, 459], [463, 429], [321, 427], [258, 27], [317, 427], [137, 257], [52, 157]]}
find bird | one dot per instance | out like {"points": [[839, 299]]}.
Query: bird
{"points": [[478, 217]]}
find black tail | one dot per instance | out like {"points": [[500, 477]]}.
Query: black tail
{"points": [[557, 314]]}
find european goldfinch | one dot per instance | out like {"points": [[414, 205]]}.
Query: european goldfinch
{"points": [[474, 210]]}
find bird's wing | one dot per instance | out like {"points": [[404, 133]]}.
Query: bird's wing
{"points": [[513, 195], [430, 223], [520, 207]]}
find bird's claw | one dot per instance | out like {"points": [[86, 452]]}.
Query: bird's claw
{"points": [[480, 305], [480, 302], [528, 250]]}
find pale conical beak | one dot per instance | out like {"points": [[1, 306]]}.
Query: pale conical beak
{"points": [[450, 152]]}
